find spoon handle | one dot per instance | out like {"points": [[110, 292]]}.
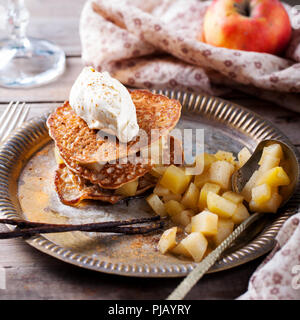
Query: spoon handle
{"points": [[194, 276]]}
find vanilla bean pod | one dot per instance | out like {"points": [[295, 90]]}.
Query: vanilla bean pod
{"points": [[30, 224], [28, 228]]}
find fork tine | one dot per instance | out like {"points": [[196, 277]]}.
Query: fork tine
{"points": [[14, 122], [7, 110], [8, 116], [24, 115]]}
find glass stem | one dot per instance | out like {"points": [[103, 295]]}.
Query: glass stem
{"points": [[18, 18]]}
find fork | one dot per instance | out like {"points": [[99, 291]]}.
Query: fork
{"points": [[13, 117]]}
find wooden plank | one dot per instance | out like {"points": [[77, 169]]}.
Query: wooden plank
{"points": [[55, 91], [50, 279]]}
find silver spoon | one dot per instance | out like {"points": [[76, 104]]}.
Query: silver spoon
{"points": [[290, 165], [239, 179]]}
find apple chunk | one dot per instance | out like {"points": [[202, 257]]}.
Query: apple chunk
{"points": [[128, 189], [181, 250], [161, 191], [219, 205], [168, 240], [261, 194], [171, 196], [233, 197], [270, 206], [268, 162], [173, 207], [157, 205], [196, 244], [201, 163], [240, 214], [158, 171], [274, 177], [247, 190], [208, 187], [191, 196], [201, 179], [182, 218], [220, 172], [226, 156], [205, 222], [274, 150], [175, 179], [225, 228], [243, 156]]}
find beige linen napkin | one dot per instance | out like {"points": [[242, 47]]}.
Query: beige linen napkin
{"points": [[152, 44], [278, 277]]}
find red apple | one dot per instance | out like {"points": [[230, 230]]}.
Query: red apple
{"points": [[251, 25]]}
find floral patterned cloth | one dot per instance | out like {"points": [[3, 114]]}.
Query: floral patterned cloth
{"points": [[278, 277], [153, 44]]}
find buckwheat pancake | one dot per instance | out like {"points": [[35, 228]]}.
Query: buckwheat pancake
{"points": [[110, 176], [78, 143], [72, 189], [113, 176]]}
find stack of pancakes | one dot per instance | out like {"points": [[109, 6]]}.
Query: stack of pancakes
{"points": [[92, 162]]}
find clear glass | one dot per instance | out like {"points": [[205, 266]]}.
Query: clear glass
{"points": [[24, 61]]}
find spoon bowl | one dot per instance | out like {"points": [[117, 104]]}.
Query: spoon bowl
{"points": [[290, 164]]}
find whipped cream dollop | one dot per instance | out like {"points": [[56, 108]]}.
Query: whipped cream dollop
{"points": [[104, 104]]}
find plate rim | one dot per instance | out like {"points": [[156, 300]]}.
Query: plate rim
{"points": [[206, 105]]}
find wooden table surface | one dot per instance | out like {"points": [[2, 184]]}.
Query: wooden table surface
{"points": [[34, 275]]}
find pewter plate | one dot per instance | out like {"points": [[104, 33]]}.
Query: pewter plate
{"points": [[27, 166]]}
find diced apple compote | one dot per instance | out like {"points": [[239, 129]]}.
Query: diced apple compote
{"points": [[205, 222], [161, 191], [208, 187], [243, 156], [226, 156], [157, 205], [271, 205], [247, 190], [201, 179], [168, 240], [175, 179], [268, 163], [274, 177], [273, 150], [158, 171], [240, 214], [181, 250], [219, 205], [196, 244], [202, 163], [173, 207], [191, 196], [261, 194], [181, 197], [172, 196], [220, 172], [182, 218], [128, 189], [225, 228], [233, 197]]}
